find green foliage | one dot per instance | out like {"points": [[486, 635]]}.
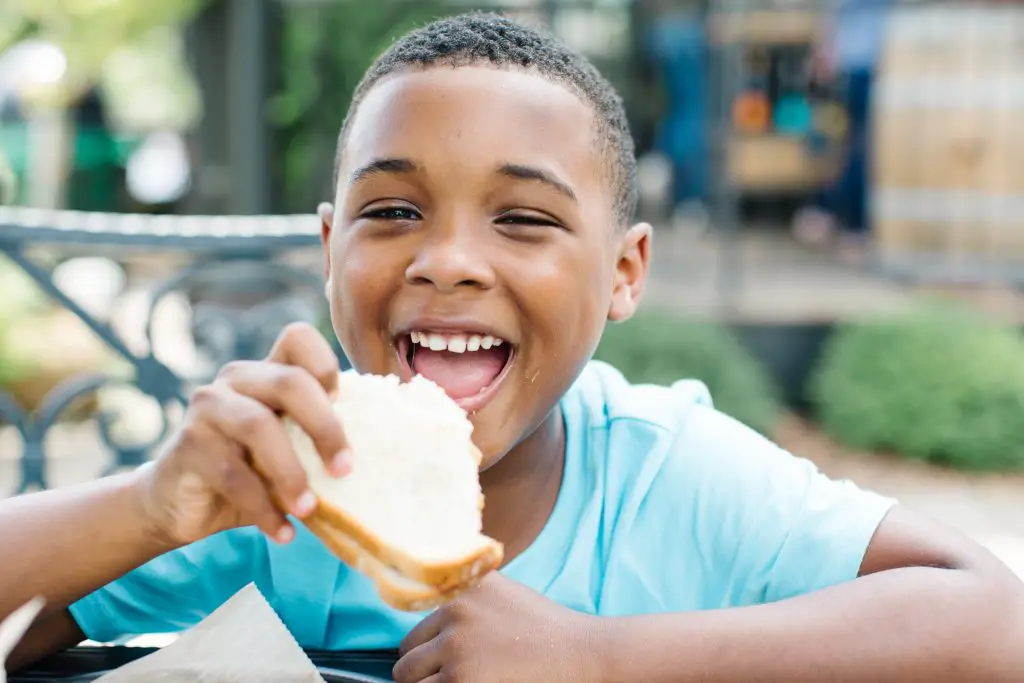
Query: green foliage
{"points": [[938, 384], [22, 298], [661, 349], [87, 31], [325, 48]]}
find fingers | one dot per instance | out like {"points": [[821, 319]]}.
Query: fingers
{"points": [[303, 346], [296, 393], [422, 663], [258, 432], [424, 632], [241, 447], [224, 469]]}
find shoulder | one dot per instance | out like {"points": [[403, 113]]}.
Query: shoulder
{"points": [[649, 440], [673, 425], [668, 447], [604, 399], [745, 520]]}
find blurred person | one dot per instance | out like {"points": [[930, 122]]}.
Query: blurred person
{"points": [[485, 185], [677, 40], [853, 35]]}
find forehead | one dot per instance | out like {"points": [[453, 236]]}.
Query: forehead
{"points": [[475, 116]]}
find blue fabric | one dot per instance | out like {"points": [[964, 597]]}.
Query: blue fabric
{"points": [[667, 505]]}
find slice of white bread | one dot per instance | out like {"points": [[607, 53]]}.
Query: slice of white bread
{"points": [[409, 513]]}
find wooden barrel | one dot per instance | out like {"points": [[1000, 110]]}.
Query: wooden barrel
{"points": [[948, 143]]}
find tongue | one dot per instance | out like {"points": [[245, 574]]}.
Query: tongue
{"points": [[461, 375]]}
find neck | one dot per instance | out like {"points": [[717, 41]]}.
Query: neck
{"points": [[521, 488]]}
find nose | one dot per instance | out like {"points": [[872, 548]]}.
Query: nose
{"points": [[450, 260]]}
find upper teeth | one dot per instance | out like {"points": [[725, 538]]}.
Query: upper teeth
{"points": [[456, 343]]}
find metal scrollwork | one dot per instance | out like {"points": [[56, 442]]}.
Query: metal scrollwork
{"points": [[240, 297], [34, 426], [225, 330]]}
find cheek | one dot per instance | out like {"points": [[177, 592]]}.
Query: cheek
{"points": [[567, 303], [359, 301]]}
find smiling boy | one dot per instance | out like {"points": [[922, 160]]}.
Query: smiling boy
{"points": [[480, 236]]}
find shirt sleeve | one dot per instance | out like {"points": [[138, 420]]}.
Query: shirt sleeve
{"points": [[769, 525], [172, 592]]}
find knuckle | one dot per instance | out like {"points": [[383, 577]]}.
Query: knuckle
{"points": [[227, 474], [194, 435], [190, 438], [326, 370], [296, 332], [290, 380], [233, 369], [256, 422], [203, 396], [458, 610], [455, 645]]}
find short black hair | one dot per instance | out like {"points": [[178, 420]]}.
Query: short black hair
{"points": [[489, 38]]}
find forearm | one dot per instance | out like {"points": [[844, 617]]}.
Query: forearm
{"points": [[66, 543], [905, 625]]}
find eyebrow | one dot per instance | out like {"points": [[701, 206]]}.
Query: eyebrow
{"points": [[380, 166], [402, 166], [531, 173]]}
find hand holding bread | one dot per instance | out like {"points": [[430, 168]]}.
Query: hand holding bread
{"points": [[396, 495], [232, 463]]}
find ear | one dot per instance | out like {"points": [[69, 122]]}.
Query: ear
{"points": [[630, 277], [326, 213]]}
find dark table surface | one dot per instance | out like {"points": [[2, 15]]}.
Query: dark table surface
{"points": [[80, 661]]}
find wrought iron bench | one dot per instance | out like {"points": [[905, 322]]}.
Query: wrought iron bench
{"points": [[242, 250]]}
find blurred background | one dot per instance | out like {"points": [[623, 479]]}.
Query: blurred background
{"points": [[837, 191]]}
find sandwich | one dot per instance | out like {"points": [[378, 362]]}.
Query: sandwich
{"points": [[408, 515]]}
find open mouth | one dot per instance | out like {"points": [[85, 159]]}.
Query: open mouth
{"points": [[468, 366]]}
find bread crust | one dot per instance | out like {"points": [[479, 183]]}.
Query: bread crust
{"points": [[407, 598], [444, 577]]}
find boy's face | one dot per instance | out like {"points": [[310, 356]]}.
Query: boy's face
{"points": [[472, 203]]}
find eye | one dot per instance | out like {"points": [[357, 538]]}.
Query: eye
{"points": [[391, 213], [528, 220]]}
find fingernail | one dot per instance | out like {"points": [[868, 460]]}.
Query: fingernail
{"points": [[285, 534], [341, 464], [305, 504]]}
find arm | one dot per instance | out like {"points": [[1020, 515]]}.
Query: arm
{"points": [[930, 605], [93, 534], [160, 548]]}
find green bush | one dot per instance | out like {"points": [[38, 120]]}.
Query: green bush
{"points": [[938, 384], [661, 349]]}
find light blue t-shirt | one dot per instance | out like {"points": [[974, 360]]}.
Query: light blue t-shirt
{"points": [[666, 506]]}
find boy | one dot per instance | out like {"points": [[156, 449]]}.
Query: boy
{"points": [[484, 183]]}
